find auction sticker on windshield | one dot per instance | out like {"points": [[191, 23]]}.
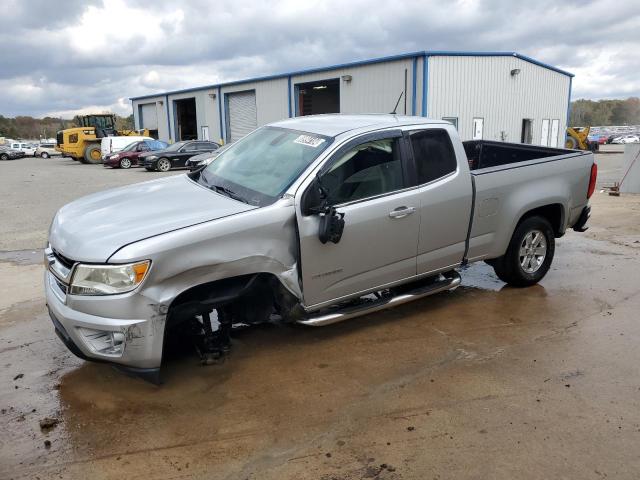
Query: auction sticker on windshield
{"points": [[309, 141]]}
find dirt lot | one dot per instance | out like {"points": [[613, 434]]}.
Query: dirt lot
{"points": [[483, 382]]}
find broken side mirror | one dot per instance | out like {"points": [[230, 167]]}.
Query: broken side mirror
{"points": [[331, 226], [315, 202]]}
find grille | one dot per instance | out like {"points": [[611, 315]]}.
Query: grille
{"points": [[63, 260], [59, 138]]}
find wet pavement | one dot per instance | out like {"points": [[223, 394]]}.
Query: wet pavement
{"points": [[483, 382]]}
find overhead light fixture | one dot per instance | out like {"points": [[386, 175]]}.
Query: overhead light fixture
{"points": [[346, 78], [319, 87], [515, 72]]}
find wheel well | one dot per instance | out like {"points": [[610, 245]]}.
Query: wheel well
{"points": [[554, 213], [263, 293]]}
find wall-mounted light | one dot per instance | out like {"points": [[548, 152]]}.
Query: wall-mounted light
{"points": [[346, 78], [160, 102], [212, 96], [515, 72]]}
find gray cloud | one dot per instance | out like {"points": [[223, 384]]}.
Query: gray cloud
{"points": [[97, 53]]}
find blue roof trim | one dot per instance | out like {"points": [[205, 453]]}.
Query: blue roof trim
{"points": [[414, 85], [390, 58]]}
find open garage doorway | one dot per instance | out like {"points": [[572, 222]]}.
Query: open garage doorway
{"points": [[185, 119], [318, 97]]}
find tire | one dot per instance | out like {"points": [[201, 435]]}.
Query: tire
{"points": [[44, 155], [92, 154], [163, 165], [4, 156], [524, 264], [571, 143], [125, 163]]}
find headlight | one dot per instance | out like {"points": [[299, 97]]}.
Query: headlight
{"points": [[206, 162], [150, 157], [107, 279]]}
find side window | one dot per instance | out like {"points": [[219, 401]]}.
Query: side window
{"points": [[369, 169], [433, 154], [143, 147]]}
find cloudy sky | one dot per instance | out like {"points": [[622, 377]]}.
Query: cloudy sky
{"points": [[70, 56]]}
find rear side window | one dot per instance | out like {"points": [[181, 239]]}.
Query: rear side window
{"points": [[433, 154]]}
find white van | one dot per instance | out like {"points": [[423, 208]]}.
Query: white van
{"points": [[109, 145], [27, 148]]}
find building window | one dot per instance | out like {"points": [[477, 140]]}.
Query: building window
{"points": [[452, 120]]}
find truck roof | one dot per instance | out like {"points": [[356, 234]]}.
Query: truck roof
{"points": [[337, 123]]}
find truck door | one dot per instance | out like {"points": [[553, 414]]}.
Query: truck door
{"points": [[367, 181], [445, 199]]}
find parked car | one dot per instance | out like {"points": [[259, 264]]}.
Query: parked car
{"points": [[8, 153], [27, 148], [111, 145], [176, 155], [46, 150], [627, 139], [313, 220], [128, 156], [204, 159]]}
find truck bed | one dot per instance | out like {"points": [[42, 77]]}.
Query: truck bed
{"points": [[510, 179], [485, 153]]}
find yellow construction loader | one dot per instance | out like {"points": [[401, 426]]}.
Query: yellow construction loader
{"points": [[578, 139], [83, 143]]}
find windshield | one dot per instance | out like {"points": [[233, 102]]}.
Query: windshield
{"points": [[261, 166], [98, 121], [175, 146], [156, 144]]}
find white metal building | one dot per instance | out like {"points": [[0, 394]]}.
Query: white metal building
{"points": [[491, 95]]}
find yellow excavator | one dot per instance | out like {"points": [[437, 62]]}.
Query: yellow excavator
{"points": [[578, 139], [83, 142]]}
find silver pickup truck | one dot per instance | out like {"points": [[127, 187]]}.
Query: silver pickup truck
{"points": [[311, 220]]}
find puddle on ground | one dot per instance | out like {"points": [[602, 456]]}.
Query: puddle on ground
{"points": [[288, 392]]}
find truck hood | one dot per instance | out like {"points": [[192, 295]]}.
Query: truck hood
{"points": [[92, 228]]}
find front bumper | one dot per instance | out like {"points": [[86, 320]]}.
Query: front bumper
{"points": [[75, 316]]}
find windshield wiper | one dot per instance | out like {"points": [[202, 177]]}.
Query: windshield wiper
{"points": [[228, 193]]}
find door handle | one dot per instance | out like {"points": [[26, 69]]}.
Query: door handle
{"points": [[401, 212]]}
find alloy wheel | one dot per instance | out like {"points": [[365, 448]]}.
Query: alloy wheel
{"points": [[533, 251]]}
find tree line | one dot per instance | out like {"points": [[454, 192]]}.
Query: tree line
{"points": [[25, 127], [605, 112]]}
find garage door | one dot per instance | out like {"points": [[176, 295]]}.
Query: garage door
{"points": [[149, 116], [241, 114]]}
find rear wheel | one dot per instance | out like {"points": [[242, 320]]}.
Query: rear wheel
{"points": [[163, 165], [125, 163], [44, 155], [529, 255], [92, 154], [571, 143], [4, 156]]}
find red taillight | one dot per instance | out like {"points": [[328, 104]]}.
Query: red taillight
{"points": [[592, 180]]}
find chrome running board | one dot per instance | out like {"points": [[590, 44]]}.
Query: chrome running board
{"points": [[448, 281]]}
